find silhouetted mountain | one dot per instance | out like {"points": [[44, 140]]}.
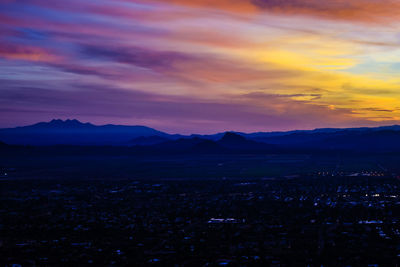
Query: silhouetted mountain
{"points": [[232, 138], [76, 133], [381, 140], [58, 124], [301, 136], [148, 140], [213, 137], [234, 141], [208, 147], [179, 145], [378, 141], [298, 138], [229, 143]]}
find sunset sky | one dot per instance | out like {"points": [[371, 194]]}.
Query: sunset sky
{"points": [[201, 66]]}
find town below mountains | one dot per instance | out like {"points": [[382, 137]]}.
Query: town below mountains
{"points": [[74, 193], [142, 139]]}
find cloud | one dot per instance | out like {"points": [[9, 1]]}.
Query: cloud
{"points": [[184, 66], [137, 56], [25, 52], [366, 11], [200, 65], [170, 113]]}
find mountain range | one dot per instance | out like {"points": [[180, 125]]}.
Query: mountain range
{"points": [[76, 133]]}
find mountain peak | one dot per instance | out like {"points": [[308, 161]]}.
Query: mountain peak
{"points": [[232, 137], [67, 121], [72, 131], [58, 123]]}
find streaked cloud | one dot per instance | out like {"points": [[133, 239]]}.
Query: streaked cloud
{"points": [[201, 66], [353, 10]]}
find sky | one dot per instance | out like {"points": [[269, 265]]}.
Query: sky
{"points": [[201, 66]]}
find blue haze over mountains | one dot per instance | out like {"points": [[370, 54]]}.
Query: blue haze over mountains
{"points": [[74, 132]]}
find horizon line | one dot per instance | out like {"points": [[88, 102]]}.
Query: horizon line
{"points": [[224, 131]]}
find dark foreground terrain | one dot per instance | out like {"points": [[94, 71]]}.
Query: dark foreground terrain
{"points": [[299, 220]]}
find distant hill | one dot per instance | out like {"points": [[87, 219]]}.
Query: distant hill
{"points": [[378, 141], [208, 147], [148, 140], [179, 145], [382, 140], [234, 141], [74, 132], [143, 139], [300, 136], [229, 143]]}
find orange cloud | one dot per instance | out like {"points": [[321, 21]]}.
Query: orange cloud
{"points": [[28, 53], [350, 10]]}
